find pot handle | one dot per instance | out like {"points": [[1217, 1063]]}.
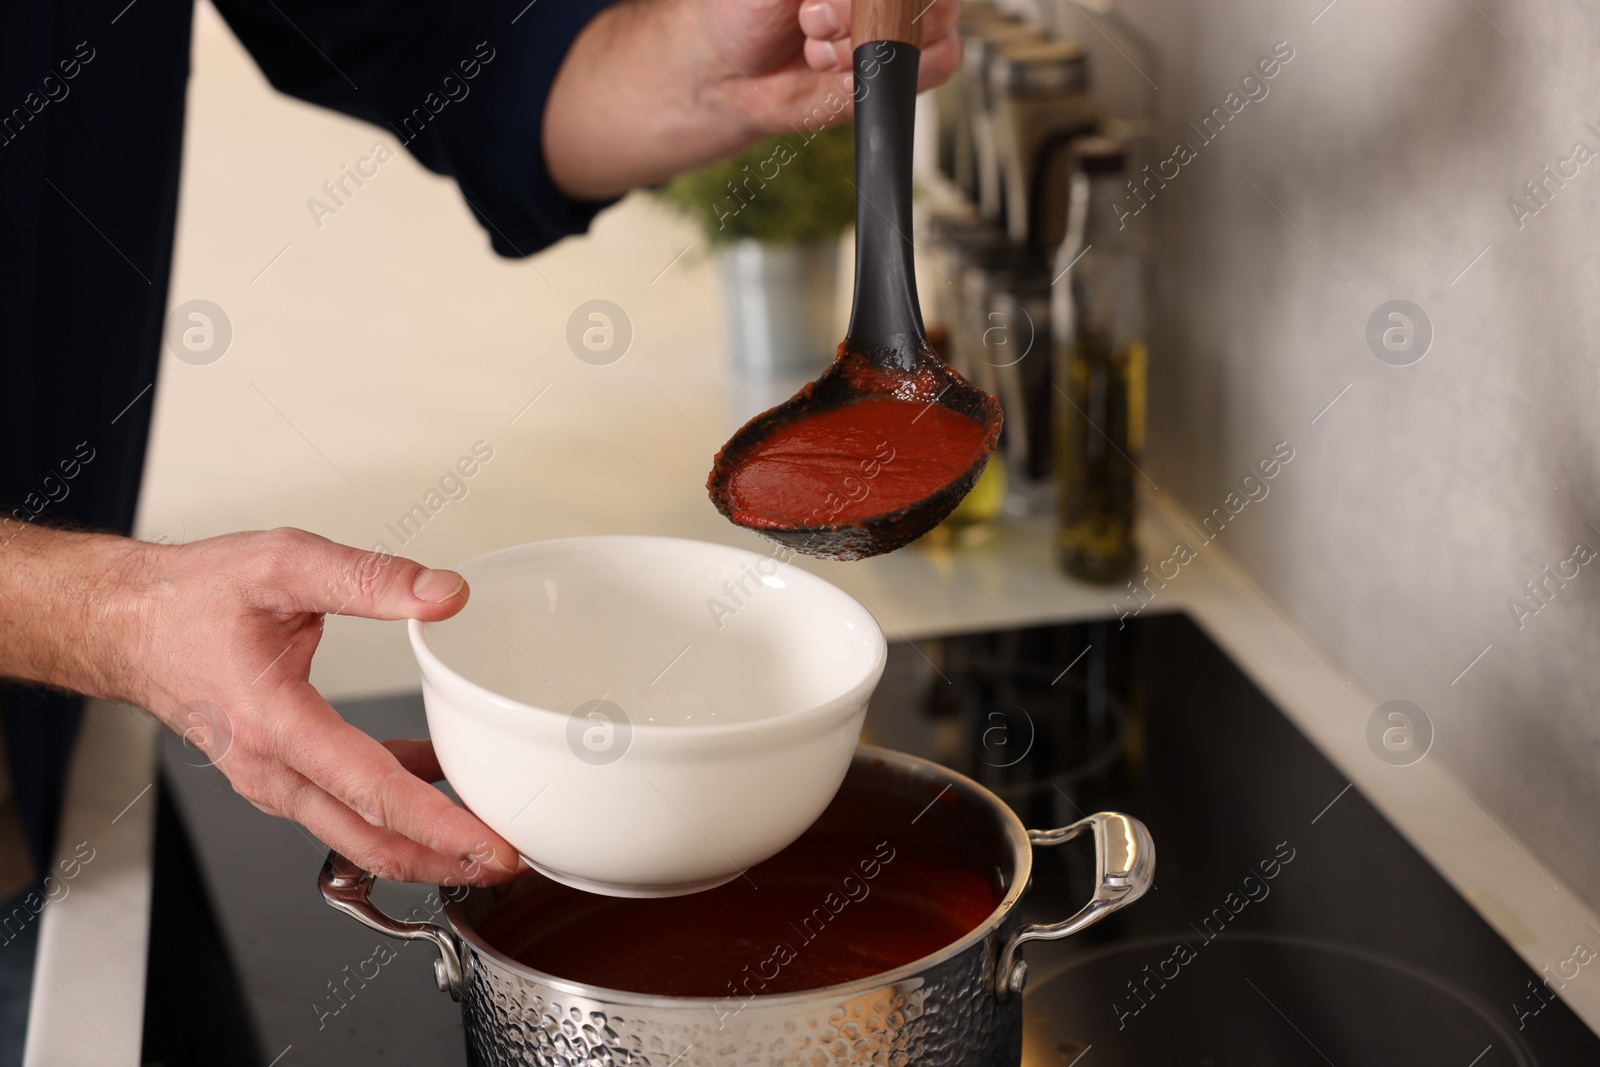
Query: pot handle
{"points": [[1124, 867], [348, 888]]}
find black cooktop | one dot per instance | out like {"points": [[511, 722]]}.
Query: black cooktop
{"points": [[1290, 924]]}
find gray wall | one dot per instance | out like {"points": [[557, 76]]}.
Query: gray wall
{"points": [[1423, 499]]}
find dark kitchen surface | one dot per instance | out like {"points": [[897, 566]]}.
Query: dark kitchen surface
{"points": [[1290, 924]]}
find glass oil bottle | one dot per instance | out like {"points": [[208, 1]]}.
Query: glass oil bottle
{"points": [[1099, 328]]}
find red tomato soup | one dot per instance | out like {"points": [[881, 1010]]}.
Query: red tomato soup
{"points": [[841, 465], [819, 913]]}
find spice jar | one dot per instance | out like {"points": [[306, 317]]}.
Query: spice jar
{"points": [[948, 240], [956, 155], [1017, 346], [1040, 100], [967, 253], [987, 40]]}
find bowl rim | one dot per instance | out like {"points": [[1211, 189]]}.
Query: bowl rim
{"points": [[1012, 827], [436, 672]]}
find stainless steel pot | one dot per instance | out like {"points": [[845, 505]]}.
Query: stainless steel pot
{"points": [[960, 1007]]}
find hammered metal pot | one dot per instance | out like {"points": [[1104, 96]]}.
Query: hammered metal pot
{"points": [[959, 1007]]}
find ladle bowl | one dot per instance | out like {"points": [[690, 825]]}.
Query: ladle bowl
{"points": [[852, 376]]}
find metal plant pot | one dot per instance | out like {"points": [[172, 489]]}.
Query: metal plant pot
{"points": [[958, 1007], [781, 306]]}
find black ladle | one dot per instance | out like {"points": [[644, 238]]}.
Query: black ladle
{"points": [[886, 352]]}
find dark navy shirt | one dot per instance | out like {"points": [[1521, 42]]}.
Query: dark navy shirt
{"points": [[91, 132]]}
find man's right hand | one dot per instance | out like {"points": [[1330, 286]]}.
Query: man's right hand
{"points": [[215, 639], [652, 88]]}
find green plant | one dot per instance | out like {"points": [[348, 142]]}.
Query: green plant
{"points": [[792, 188]]}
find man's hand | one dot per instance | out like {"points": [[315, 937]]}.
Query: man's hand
{"points": [[654, 87], [775, 72], [215, 639]]}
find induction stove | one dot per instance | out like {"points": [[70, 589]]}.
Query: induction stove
{"points": [[1289, 924]]}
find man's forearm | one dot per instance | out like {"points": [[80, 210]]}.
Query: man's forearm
{"points": [[636, 101], [58, 609]]}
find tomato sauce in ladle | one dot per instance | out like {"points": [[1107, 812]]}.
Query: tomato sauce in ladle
{"points": [[850, 463], [879, 449]]}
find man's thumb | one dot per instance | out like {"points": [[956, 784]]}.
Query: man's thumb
{"points": [[336, 579]]}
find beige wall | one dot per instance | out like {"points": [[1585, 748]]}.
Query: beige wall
{"points": [[1422, 500]]}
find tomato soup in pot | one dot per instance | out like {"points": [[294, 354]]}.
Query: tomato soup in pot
{"points": [[826, 910]]}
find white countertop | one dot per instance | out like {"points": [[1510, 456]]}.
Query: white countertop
{"points": [[88, 982]]}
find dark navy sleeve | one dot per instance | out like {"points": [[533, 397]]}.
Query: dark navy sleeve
{"points": [[461, 84]]}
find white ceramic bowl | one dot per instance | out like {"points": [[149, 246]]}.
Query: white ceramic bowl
{"points": [[646, 716]]}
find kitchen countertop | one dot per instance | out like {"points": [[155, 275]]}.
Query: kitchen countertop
{"points": [[87, 1003]]}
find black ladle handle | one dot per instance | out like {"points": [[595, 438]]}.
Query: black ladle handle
{"points": [[886, 322]]}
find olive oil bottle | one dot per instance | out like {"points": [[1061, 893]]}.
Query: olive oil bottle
{"points": [[1098, 322]]}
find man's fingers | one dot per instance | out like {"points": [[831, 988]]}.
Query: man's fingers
{"points": [[938, 19], [387, 854], [825, 51], [826, 20], [939, 61], [417, 757], [827, 55], [301, 572], [829, 20], [367, 778]]}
